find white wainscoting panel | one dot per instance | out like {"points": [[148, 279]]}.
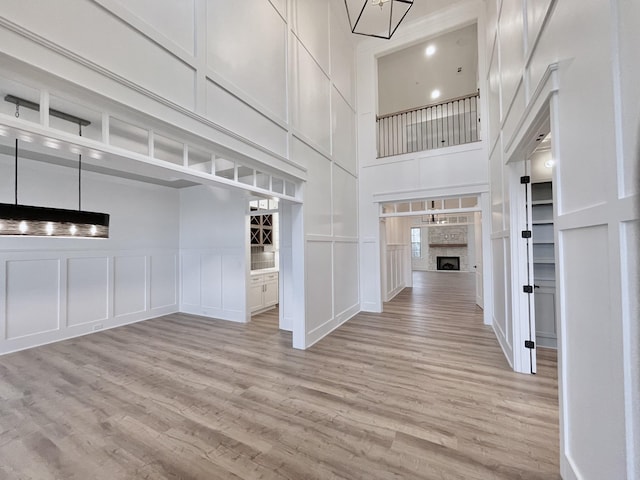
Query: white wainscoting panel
{"points": [[130, 292], [397, 268], [164, 280], [213, 283], [211, 277], [190, 279], [345, 288], [500, 296], [586, 295], [87, 290], [32, 297], [51, 296], [234, 285], [319, 285]]}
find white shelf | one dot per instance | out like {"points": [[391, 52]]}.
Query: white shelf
{"points": [[543, 233], [544, 260]]}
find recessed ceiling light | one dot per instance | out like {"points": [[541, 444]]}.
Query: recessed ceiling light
{"points": [[549, 163], [435, 94], [431, 49]]}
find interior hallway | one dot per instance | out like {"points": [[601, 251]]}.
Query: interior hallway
{"points": [[420, 391]]}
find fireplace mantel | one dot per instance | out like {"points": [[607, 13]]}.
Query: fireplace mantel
{"points": [[447, 245]]}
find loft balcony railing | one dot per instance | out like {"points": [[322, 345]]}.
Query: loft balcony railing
{"points": [[452, 122]]}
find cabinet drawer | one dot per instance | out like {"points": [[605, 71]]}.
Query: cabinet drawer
{"points": [[257, 279], [270, 276]]}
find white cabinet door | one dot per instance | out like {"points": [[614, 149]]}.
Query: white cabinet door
{"points": [[271, 293], [256, 287]]}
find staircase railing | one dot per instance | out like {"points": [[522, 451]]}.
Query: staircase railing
{"points": [[453, 122]]}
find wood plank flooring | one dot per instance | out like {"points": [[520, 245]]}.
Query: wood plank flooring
{"points": [[421, 391]]}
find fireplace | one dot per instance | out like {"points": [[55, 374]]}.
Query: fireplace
{"points": [[448, 263]]}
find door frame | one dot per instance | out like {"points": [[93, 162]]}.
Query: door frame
{"points": [[484, 207]]}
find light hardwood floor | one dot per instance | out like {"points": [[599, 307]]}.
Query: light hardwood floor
{"points": [[421, 391]]}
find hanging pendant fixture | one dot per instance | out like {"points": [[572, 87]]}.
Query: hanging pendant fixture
{"points": [[376, 18], [32, 221]]}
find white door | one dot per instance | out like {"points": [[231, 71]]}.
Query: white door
{"points": [[529, 283], [477, 231]]}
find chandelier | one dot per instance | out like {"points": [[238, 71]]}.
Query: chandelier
{"points": [[376, 18]]}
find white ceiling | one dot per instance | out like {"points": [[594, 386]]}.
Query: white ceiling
{"points": [[407, 77], [422, 8]]}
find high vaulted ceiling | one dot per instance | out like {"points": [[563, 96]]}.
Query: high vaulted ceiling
{"points": [[407, 78]]}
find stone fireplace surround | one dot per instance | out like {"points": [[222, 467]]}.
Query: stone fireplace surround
{"points": [[448, 241]]}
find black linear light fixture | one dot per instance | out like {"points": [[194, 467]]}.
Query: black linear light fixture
{"points": [[32, 221], [376, 18]]}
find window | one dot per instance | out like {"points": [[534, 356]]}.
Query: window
{"points": [[415, 242]]}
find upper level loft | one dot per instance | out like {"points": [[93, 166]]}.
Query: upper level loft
{"points": [[428, 94]]}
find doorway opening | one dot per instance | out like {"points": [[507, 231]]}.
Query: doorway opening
{"points": [[441, 235], [535, 325], [274, 281]]}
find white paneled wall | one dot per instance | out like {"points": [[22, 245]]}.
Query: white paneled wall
{"points": [[396, 270], [87, 289], [571, 58], [311, 105], [231, 113], [273, 80], [57, 288], [214, 263], [51, 296], [246, 49], [322, 80], [174, 20], [396, 256], [144, 58]]}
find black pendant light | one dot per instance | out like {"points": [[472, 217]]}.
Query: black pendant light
{"points": [[32, 221], [376, 18]]}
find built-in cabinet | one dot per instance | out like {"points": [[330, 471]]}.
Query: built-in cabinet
{"points": [[544, 268], [263, 291], [261, 230]]}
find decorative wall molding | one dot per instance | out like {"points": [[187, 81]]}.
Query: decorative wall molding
{"points": [[87, 287], [39, 40]]}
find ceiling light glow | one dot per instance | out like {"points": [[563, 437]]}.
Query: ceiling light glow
{"points": [[431, 49], [435, 94]]}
